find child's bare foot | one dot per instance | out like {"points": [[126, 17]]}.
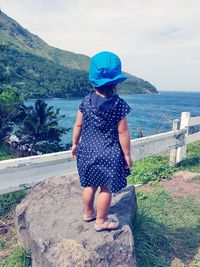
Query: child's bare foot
{"points": [[107, 225]]}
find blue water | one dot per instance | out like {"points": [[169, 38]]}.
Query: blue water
{"points": [[153, 113]]}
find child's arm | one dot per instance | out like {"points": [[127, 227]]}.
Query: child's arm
{"points": [[124, 139], [77, 132]]}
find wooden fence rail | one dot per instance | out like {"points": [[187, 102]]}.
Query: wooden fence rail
{"points": [[186, 122], [20, 173]]}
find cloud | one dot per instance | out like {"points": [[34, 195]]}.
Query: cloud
{"points": [[157, 40]]}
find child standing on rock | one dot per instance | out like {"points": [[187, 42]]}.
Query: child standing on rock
{"points": [[103, 153]]}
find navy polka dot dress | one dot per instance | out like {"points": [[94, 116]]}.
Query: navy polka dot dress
{"points": [[100, 159]]}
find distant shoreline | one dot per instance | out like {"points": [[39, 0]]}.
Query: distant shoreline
{"points": [[56, 98], [80, 97], [177, 91]]}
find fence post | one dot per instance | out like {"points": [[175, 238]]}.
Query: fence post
{"points": [[173, 152], [181, 151]]}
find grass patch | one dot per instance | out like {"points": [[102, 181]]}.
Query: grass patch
{"points": [[166, 229], [11, 254], [192, 162], [151, 169], [4, 153], [18, 258], [9, 201], [157, 167]]}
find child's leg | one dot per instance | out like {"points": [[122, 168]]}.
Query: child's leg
{"points": [[88, 199], [103, 204]]}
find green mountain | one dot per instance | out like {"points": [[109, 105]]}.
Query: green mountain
{"points": [[36, 69]]}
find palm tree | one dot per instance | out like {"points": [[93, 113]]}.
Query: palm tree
{"points": [[39, 130]]}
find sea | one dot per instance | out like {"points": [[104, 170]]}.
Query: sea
{"points": [[151, 113]]}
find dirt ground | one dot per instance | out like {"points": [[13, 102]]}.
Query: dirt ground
{"points": [[182, 183]]}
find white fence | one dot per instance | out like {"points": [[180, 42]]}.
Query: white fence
{"points": [[17, 174], [186, 122]]}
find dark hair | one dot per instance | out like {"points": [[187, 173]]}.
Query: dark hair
{"points": [[107, 90]]}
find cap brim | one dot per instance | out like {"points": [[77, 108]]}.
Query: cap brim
{"points": [[118, 79]]}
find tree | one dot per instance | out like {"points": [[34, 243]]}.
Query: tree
{"points": [[2, 47], [39, 130], [10, 103]]}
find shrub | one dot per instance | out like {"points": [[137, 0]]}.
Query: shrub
{"points": [[151, 169]]}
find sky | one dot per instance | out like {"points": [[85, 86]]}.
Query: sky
{"points": [[157, 40]]}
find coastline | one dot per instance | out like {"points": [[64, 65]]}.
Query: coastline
{"points": [[79, 97]]}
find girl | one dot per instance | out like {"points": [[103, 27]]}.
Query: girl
{"points": [[103, 153]]}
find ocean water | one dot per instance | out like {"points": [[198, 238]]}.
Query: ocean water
{"points": [[151, 113]]}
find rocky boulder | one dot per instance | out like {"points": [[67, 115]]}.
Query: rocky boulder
{"points": [[49, 223]]}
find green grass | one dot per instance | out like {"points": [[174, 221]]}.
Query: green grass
{"points": [[151, 169], [156, 167], [18, 258], [4, 153], [12, 255], [165, 229], [9, 201], [192, 162]]}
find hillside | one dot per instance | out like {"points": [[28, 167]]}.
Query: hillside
{"points": [[38, 70]]}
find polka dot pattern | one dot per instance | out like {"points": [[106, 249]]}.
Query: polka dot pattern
{"points": [[100, 159]]}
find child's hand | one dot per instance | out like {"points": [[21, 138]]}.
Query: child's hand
{"points": [[129, 161], [74, 150]]}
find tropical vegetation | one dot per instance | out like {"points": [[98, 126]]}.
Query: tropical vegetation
{"points": [[29, 130]]}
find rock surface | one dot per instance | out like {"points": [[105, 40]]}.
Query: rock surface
{"points": [[49, 223]]}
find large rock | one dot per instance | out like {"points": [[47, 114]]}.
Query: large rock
{"points": [[49, 223]]}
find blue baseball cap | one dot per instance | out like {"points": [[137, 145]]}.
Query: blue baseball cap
{"points": [[105, 69]]}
